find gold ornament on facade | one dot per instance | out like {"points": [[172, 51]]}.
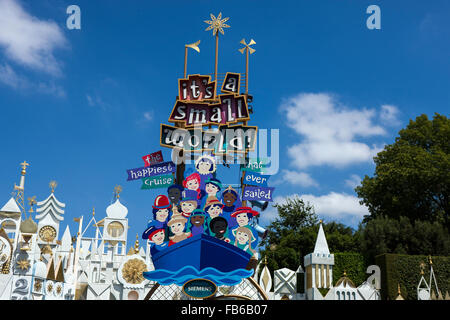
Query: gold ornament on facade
{"points": [[37, 285], [47, 250], [50, 287], [23, 264], [47, 233], [58, 289], [132, 271]]}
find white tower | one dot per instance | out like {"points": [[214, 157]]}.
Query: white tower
{"points": [[49, 215], [318, 267]]}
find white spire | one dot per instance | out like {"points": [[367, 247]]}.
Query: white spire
{"points": [[11, 207], [321, 242], [117, 210]]}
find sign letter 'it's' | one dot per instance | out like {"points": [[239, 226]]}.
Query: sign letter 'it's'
{"points": [[74, 20]]}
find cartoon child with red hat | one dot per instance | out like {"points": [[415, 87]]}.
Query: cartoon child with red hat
{"points": [[156, 237], [243, 216], [161, 211]]}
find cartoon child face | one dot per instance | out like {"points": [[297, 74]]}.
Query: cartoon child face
{"points": [[211, 189], [242, 237], [174, 195], [204, 167], [177, 228], [197, 220], [242, 219], [192, 184], [214, 211], [229, 199], [162, 214], [158, 237], [188, 206], [219, 228]]}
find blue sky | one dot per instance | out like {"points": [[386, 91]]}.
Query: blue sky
{"points": [[82, 106]]}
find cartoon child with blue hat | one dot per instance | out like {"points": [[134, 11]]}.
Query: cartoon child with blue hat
{"points": [[156, 237]]}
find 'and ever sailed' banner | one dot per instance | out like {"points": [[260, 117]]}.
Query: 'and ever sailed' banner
{"points": [[255, 179], [258, 193], [155, 170]]}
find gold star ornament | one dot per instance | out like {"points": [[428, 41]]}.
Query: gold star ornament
{"points": [[23, 264], [217, 24]]}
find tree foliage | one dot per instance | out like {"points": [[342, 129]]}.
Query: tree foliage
{"points": [[412, 175], [386, 235], [293, 235]]}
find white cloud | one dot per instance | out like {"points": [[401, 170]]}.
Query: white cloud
{"points": [[353, 181], [389, 114], [337, 205], [296, 178], [9, 77], [29, 41], [329, 131], [148, 116], [333, 206]]}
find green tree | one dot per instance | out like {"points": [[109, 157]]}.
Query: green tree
{"points": [[401, 236], [412, 175], [293, 235]]}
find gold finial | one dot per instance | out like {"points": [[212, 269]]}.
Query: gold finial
{"points": [[24, 167], [247, 46], [429, 259], [193, 46], [398, 289], [320, 221], [93, 211], [217, 24], [265, 260], [53, 184], [31, 203], [345, 273], [136, 244], [422, 266], [117, 190]]}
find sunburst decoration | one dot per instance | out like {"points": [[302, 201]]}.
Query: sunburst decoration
{"points": [[23, 264], [217, 24], [132, 271]]}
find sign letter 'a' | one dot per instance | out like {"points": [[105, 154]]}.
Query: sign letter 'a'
{"points": [[231, 83]]}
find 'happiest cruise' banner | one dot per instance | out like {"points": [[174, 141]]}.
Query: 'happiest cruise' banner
{"points": [[258, 193], [156, 182], [255, 179], [155, 170]]}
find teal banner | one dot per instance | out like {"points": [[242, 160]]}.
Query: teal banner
{"points": [[157, 182]]}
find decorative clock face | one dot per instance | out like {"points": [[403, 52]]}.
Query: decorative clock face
{"points": [[115, 229], [47, 233], [5, 250]]}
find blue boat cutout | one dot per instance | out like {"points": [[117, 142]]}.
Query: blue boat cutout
{"points": [[200, 256]]}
